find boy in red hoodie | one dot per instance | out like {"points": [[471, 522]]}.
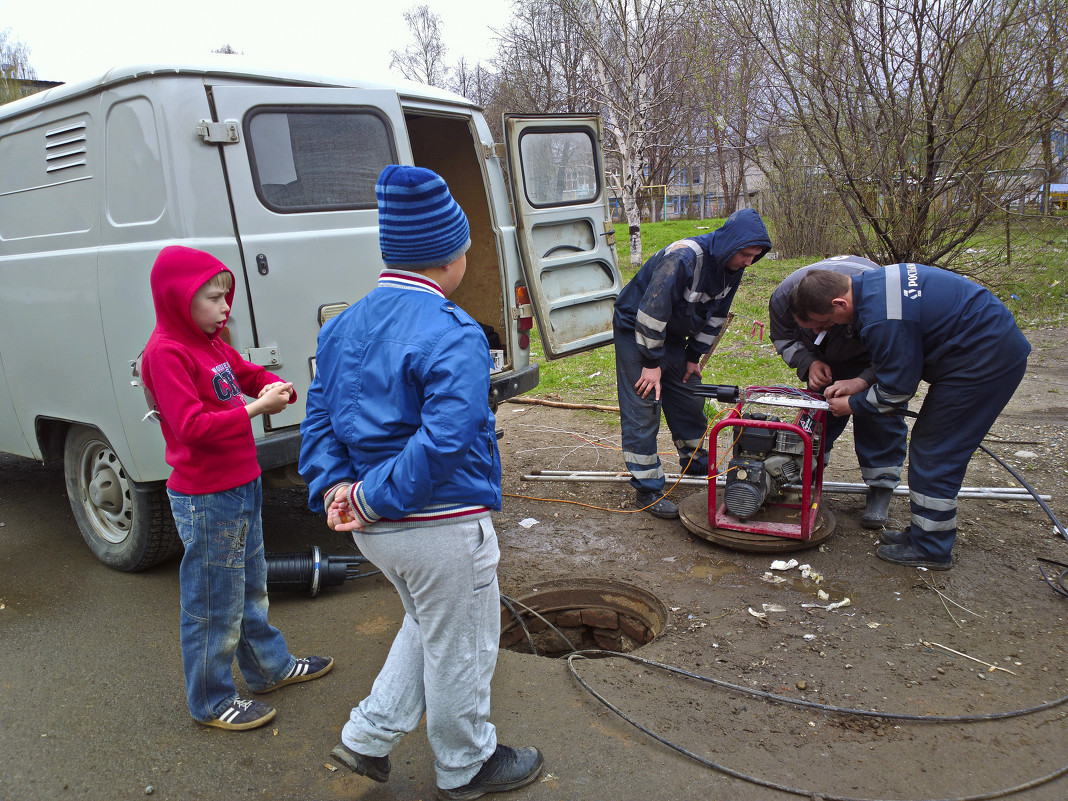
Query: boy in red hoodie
{"points": [[199, 383]]}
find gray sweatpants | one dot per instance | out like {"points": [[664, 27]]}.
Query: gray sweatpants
{"points": [[443, 657]]}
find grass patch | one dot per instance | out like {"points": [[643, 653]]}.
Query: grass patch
{"points": [[1034, 287]]}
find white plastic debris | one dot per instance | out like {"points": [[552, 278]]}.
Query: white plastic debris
{"points": [[528, 522], [773, 608], [771, 578], [758, 615], [809, 637], [823, 596], [780, 564], [828, 607], [808, 573]]}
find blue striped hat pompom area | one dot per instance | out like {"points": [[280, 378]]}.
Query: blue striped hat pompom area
{"points": [[420, 226]]}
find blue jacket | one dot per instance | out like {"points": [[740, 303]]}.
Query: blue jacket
{"points": [[400, 402], [680, 297], [921, 322]]}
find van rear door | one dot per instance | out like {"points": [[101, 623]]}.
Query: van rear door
{"points": [[566, 238], [302, 182]]}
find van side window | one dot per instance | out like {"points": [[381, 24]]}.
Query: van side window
{"points": [[317, 159], [559, 167]]}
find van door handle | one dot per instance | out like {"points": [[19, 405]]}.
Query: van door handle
{"points": [[261, 264]]}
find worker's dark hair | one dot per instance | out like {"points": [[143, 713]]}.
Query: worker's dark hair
{"points": [[813, 293]]}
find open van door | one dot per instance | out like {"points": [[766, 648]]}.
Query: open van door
{"points": [[566, 238]]}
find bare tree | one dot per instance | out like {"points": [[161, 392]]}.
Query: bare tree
{"points": [[629, 47], [920, 114], [1049, 19], [227, 50], [424, 59], [15, 68]]}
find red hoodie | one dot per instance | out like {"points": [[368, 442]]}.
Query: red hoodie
{"points": [[199, 382]]}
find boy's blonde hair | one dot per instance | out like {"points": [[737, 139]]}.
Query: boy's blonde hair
{"points": [[222, 280]]}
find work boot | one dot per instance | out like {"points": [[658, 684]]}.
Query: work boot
{"points": [[908, 556], [696, 468], [657, 505], [877, 507], [895, 537], [507, 769]]}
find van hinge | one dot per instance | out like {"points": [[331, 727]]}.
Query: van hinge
{"points": [[493, 151], [609, 232], [223, 133], [264, 357]]}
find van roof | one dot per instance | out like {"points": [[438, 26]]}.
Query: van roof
{"points": [[223, 67]]}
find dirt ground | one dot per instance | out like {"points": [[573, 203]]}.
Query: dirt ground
{"points": [[105, 723], [888, 650]]}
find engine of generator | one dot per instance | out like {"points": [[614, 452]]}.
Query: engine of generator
{"points": [[768, 464]]}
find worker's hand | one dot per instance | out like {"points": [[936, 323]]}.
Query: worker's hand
{"points": [[850, 386], [692, 368], [649, 381], [840, 406], [819, 375], [340, 515]]}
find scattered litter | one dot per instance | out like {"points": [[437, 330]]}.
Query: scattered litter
{"points": [[992, 668], [594, 375], [669, 559], [676, 608], [528, 522], [771, 578], [758, 615], [808, 573], [329, 767], [780, 564], [828, 607], [274, 733], [874, 625], [823, 595], [774, 608], [548, 777], [809, 637]]}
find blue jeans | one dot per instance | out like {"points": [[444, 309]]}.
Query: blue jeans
{"points": [[444, 655], [223, 580]]}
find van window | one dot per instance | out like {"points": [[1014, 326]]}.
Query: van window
{"points": [[317, 159], [559, 167]]}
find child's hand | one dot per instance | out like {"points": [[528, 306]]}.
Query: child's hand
{"points": [[275, 397], [340, 515]]}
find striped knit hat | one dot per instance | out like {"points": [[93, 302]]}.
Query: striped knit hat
{"points": [[419, 224]]}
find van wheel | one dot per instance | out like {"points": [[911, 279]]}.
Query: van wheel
{"points": [[127, 525]]}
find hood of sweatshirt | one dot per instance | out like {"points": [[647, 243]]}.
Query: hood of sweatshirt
{"points": [[176, 276], [742, 229]]}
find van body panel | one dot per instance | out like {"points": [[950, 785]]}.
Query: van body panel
{"points": [[561, 199]]}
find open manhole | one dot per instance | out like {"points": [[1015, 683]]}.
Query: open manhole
{"points": [[582, 614]]}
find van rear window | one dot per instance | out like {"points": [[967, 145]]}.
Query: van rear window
{"points": [[559, 167], [317, 159]]}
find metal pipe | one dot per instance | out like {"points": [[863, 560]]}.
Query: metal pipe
{"points": [[845, 488]]}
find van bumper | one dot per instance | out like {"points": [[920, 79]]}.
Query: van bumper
{"points": [[279, 448], [512, 384]]}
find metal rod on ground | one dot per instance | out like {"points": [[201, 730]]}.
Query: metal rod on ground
{"points": [[845, 488]]}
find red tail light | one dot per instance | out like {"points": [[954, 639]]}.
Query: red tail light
{"points": [[525, 315]]}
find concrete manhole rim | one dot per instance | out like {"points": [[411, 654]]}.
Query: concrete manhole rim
{"points": [[566, 594]]}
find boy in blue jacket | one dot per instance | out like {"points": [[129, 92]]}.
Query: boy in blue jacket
{"points": [[922, 323], [666, 318], [399, 447]]}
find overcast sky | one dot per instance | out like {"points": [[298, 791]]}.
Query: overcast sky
{"points": [[70, 40]]}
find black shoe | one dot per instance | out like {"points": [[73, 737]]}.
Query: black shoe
{"points": [[657, 505], [306, 668], [877, 508], [696, 469], [895, 537], [376, 768], [907, 556], [507, 769]]}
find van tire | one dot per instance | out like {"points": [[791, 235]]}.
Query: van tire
{"points": [[127, 525]]}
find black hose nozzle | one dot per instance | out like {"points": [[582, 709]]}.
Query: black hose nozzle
{"points": [[724, 393], [310, 571]]}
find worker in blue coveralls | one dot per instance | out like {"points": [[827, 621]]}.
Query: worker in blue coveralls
{"points": [[666, 318], [921, 322], [826, 354]]}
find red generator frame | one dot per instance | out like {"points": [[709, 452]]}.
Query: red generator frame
{"points": [[811, 490]]}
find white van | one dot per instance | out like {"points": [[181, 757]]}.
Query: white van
{"points": [[273, 173]]}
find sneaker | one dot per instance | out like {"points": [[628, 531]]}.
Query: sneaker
{"points": [[895, 537], [877, 508], [304, 669], [905, 554], [376, 768], [243, 714], [507, 769], [657, 505]]}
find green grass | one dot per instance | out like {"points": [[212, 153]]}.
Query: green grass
{"points": [[1034, 286]]}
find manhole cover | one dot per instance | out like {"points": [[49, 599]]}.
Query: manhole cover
{"points": [[565, 615]]}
